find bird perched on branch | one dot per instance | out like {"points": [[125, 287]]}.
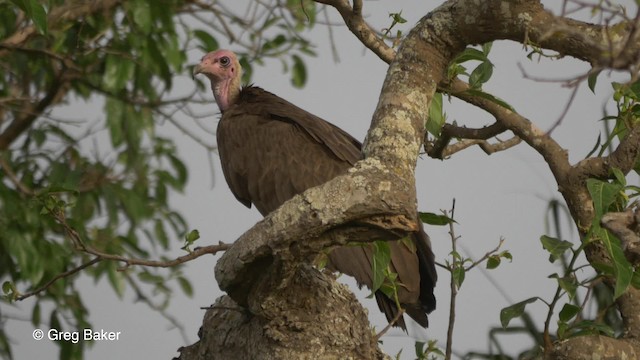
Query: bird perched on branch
{"points": [[271, 150]]}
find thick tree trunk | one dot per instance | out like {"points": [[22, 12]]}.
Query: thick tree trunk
{"points": [[310, 317]]}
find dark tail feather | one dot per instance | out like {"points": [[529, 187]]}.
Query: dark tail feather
{"points": [[428, 275], [428, 278]]}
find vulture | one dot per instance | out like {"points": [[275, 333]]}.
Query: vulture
{"points": [[271, 150]]}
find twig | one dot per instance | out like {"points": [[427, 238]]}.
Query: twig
{"points": [[58, 277], [390, 324], [452, 284], [367, 36], [24, 189], [80, 246], [486, 256], [440, 148]]}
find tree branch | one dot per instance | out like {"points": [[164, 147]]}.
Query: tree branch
{"points": [[436, 149], [355, 22], [328, 215], [623, 158], [19, 124], [58, 277], [80, 245], [60, 15], [585, 347]]}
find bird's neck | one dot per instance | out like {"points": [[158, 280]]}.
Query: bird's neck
{"points": [[226, 92]]}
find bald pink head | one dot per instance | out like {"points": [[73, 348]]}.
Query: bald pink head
{"points": [[224, 71]]}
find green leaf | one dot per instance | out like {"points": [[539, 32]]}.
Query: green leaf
{"points": [[298, 72], [207, 42], [507, 255], [190, 238], [493, 262], [419, 349], [458, 274], [480, 75], [150, 278], [110, 79], [620, 178], [116, 280], [142, 15], [247, 70], [495, 99], [589, 327], [35, 12], [623, 270], [54, 322], [603, 195], [592, 79], [555, 247], [303, 11], [7, 287], [185, 285], [381, 261], [397, 18], [435, 219], [114, 114], [567, 283], [161, 235], [516, 310], [274, 43], [486, 48], [181, 171], [470, 54], [437, 116], [35, 314], [568, 312]]}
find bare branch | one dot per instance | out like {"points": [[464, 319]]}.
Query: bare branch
{"points": [[437, 148], [355, 22], [19, 124], [390, 324], [58, 277], [79, 244], [555, 155], [623, 158], [24, 189]]}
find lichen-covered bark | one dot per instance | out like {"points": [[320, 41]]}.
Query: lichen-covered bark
{"points": [[311, 317]]}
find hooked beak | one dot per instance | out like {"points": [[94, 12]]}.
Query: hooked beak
{"points": [[196, 70]]}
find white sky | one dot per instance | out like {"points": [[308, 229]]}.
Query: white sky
{"points": [[503, 195]]}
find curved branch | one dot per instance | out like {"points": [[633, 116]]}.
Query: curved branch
{"points": [[355, 22], [440, 146], [19, 124], [555, 156], [317, 219], [487, 147], [58, 277], [80, 245], [624, 157]]}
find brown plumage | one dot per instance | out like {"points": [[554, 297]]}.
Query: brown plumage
{"points": [[271, 150]]}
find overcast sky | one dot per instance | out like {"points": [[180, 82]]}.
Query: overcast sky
{"points": [[504, 195]]}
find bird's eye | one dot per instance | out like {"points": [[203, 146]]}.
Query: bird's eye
{"points": [[224, 61]]}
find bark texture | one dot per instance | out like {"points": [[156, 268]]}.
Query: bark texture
{"points": [[311, 317]]}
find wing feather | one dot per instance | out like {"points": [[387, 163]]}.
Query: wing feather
{"points": [[271, 150]]}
